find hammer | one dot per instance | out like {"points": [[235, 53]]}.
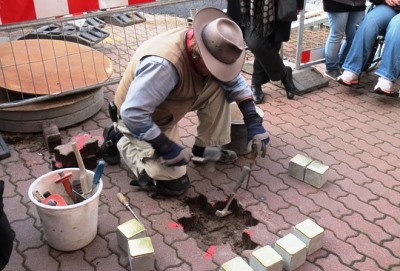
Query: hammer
{"points": [[225, 211]]}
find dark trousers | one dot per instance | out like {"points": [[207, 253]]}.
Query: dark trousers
{"points": [[7, 235], [268, 64]]}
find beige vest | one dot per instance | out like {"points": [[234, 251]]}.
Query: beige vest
{"points": [[171, 46]]}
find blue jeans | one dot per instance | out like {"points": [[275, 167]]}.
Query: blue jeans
{"points": [[341, 24], [382, 18]]}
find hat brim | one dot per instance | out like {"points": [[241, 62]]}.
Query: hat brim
{"points": [[220, 70]]}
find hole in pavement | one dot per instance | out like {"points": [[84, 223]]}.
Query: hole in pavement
{"points": [[208, 229]]}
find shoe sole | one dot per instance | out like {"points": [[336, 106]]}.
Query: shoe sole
{"points": [[379, 91], [348, 84], [197, 162]]}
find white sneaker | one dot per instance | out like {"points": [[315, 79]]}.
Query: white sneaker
{"points": [[384, 85], [348, 78]]}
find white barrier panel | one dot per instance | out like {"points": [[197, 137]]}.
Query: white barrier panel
{"points": [[26, 10], [312, 55]]}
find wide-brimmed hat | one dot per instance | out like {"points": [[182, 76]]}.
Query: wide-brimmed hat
{"points": [[221, 44]]}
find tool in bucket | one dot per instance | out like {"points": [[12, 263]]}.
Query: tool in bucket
{"points": [[38, 196], [124, 201], [65, 180], [225, 211], [49, 199], [79, 195], [97, 176], [83, 188], [54, 200]]}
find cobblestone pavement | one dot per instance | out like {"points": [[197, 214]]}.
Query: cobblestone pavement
{"points": [[352, 131]]}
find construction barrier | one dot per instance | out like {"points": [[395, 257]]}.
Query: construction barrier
{"points": [[308, 36], [26, 10], [79, 48], [104, 41]]}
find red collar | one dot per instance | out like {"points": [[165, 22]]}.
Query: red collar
{"points": [[188, 42]]}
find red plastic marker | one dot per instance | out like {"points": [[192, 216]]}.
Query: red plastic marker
{"points": [[54, 198]]}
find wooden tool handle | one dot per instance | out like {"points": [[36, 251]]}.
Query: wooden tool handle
{"points": [[122, 199], [82, 170], [78, 156]]}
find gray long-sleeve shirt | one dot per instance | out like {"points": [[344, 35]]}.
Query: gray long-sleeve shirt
{"points": [[155, 78]]}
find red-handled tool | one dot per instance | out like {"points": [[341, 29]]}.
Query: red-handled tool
{"points": [[54, 200], [65, 180]]}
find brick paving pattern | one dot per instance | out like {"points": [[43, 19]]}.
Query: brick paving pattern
{"points": [[354, 132]]}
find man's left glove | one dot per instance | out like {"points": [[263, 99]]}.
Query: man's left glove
{"points": [[256, 133]]}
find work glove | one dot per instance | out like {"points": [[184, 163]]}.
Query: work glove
{"points": [[170, 153], [257, 136]]}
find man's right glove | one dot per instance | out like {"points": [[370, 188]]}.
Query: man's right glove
{"points": [[256, 133], [170, 153]]}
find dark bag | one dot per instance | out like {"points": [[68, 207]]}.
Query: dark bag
{"points": [[286, 10]]}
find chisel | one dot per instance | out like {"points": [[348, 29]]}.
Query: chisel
{"points": [[125, 202]]}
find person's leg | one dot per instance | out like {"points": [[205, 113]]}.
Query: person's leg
{"points": [[389, 68], [139, 156], [214, 122], [259, 77], [337, 27], [353, 20], [213, 111], [374, 23], [267, 54]]}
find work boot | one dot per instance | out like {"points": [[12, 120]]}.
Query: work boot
{"points": [[143, 181], [172, 188], [109, 151], [258, 94], [175, 187], [288, 83]]}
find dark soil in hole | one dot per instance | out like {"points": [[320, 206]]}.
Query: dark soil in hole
{"points": [[208, 229]]}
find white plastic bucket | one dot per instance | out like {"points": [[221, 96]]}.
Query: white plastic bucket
{"points": [[70, 227], [239, 131]]}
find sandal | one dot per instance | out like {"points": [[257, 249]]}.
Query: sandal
{"points": [[379, 91]]}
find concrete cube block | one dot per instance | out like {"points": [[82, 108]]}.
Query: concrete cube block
{"points": [[129, 230], [292, 250], [266, 259], [235, 264], [297, 166], [311, 234], [316, 174], [141, 254]]}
